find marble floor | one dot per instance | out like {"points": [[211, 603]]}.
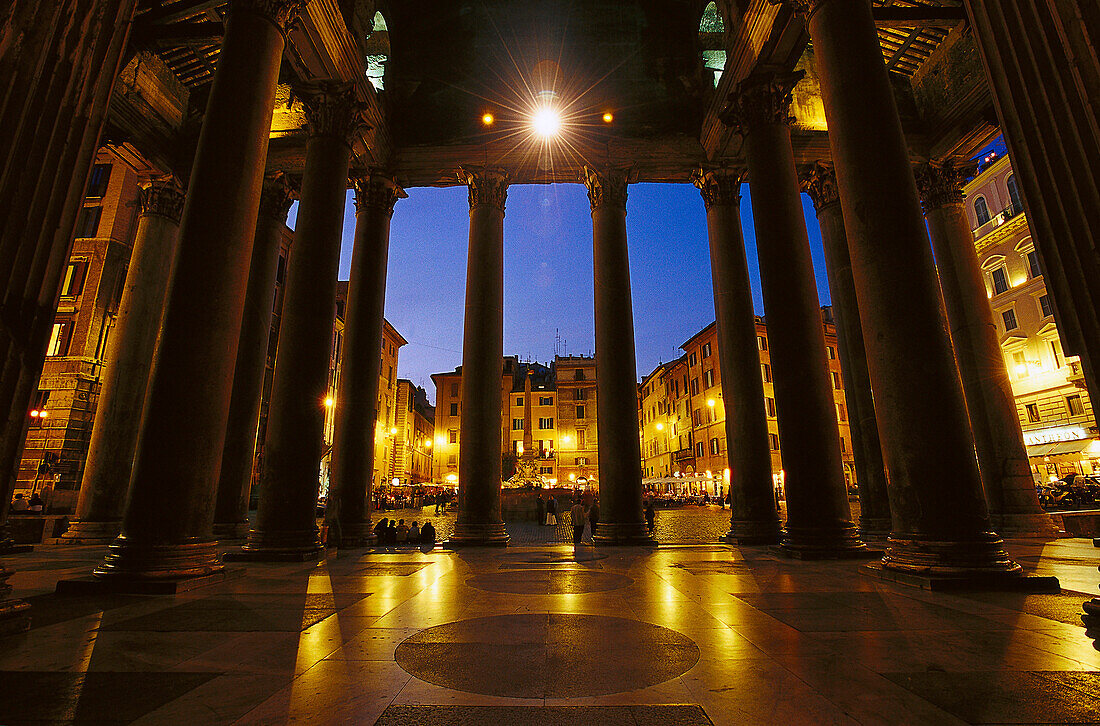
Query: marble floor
{"points": [[542, 635]]}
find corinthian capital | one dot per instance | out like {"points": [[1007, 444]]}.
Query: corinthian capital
{"points": [[486, 185], [607, 186], [283, 13], [331, 109], [163, 196], [762, 98], [941, 184], [276, 196], [376, 190], [719, 187], [819, 181]]}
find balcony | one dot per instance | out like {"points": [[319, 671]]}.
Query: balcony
{"points": [[1011, 211], [684, 455]]}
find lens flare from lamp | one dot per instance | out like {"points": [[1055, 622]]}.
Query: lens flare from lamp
{"points": [[487, 119], [608, 118], [546, 122]]}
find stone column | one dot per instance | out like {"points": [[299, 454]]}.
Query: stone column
{"points": [[479, 435], [753, 516], [941, 523], [356, 405], [819, 522], [238, 455], [999, 440], [620, 454], [167, 530], [127, 367], [819, 181], [285, 526]]}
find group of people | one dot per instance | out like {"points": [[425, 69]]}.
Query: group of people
{"points": [[34, 505], [386, 532], [578, 515]]}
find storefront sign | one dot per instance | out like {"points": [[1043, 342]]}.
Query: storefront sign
{"points": [[1054, 435]]}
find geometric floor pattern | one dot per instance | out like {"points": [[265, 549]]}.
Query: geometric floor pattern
{"points": [[674, 635]]}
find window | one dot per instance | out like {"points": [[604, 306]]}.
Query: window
{"points": [[830, 351], [695, 386], [546, 470], [1045, 306], [580, 412], [761, 342], [280, 271], [580, 394], [1033, 269], [73, 284], [546, 423], [706, 350], [1056, 353], [454, 409], [841, 412], [836, 379], [578, 375], [981, 210], [580, 438], [546, 400], [454, 390], [1032, 413], [97, 183], [1000, 280], [691, 360], [1075, 406], [389, 376], [1009, 317], [696, 418], [767, 373], [519, 400], [708, 377], [517, 424], [769, 406], [453, 436], [714, 447], [88, 224], [452, 458], [700, 449], [61, 337], [1014, 195], [773, 441], [843, 445], [580, 461]]}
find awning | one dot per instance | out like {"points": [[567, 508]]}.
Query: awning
{"points": [[1059, 448]]}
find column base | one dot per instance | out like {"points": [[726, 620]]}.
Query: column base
{"points": [[280, 546], [746, 532], [875, 527], [9, 547], [351, 536], [1091, 619], [946, 558], [1038, 524], [130, 560], [14, 615], [1012, 581], [126, 586], [231, 530], [467, 534], [624, 533], [824, 543], [86, 532]]}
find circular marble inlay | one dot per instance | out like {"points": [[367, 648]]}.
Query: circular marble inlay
{"points": [[553, 655], [549, 582]]}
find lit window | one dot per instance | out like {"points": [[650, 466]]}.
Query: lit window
{"points": [[831, 352], [836, 379], [706, 350], [1076, 408], [453, 436], [773, 441], [517, 424], [546, 423], [708, 377], [841, 413], [1000, 280], [714, 447], [761, 342], [769, 405], [767, 373], [1032, 413], [73, 283], [1009, 317]]}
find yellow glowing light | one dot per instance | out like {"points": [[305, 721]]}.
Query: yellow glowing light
{"points": [[708, 474], [711, 402], [43, 414], [546, 122], [519, 447], [572, 477], [34, 413], [608, 118], [452, 478], [1021, 370], [1094, 448], [428, 443], [566, 439], [487, 119], [329, 401], [393, 429], [660, 427], [440, 440]]}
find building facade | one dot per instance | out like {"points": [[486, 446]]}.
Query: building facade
{"points": [[1052, 401], [414, 419], [682, 414]]}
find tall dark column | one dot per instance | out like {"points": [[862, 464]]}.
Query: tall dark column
{"points": [[999, 440], [819, 181], [941, 523], [479, 435], [167, 530], [819, 521], [753, 516], [620, 454], [238, 455], [285, 526], [127, 368], [356, 411]]}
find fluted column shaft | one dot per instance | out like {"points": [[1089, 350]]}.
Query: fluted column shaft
{"points": [[127, 367], [167, 529], [286, 518], [620, 455], [479, 435], [356, 404], [753, 515], [819, 521], [874, 505], [941, 524], [238, 454], [999, 440]]}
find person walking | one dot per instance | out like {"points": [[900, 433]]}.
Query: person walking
{"points": [[594, 516], [650, 515], [540, 510], [552, 511], [577, 517]]}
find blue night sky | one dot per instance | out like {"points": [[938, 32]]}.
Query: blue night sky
{"points": [[548, 271]]}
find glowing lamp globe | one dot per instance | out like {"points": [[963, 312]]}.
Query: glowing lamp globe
{"points": [[546, 122]]}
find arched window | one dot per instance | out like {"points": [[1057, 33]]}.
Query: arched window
{"points": [[712, 39], [1014, 195], [378, 52], [981, 209]]}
